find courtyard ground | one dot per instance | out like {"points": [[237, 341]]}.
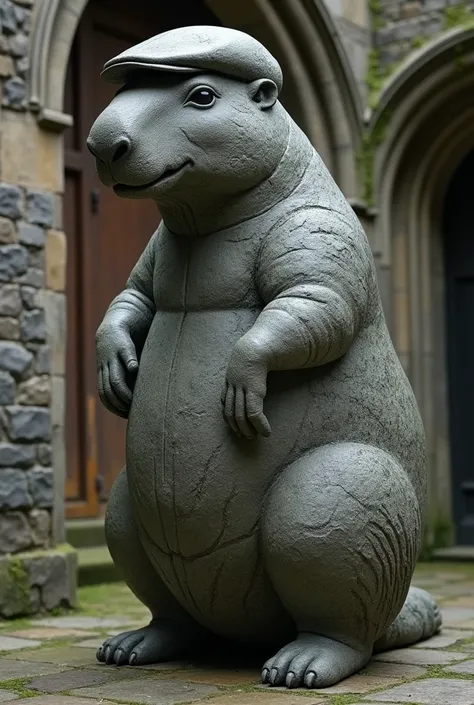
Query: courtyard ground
{"points": [[51, 661]]}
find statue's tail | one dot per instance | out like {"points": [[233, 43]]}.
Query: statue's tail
{"points": [[419, 619]]}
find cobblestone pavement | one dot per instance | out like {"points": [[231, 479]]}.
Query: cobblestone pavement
{"points": [[51, 661]]}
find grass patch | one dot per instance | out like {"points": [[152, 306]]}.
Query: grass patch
{"points": [[18, 687]]}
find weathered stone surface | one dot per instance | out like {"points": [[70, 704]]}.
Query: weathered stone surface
{"points": [[11, 643], [13, 489], [63, 700], [36, 257], [14, 358], [31, 235], [45, 454], [146, 691], [10, 669], [68, 680], [7, 696], [13, 262], [466, 668], [14, 92], [8, 234], [43, 360], [33, 277], [80, 622], [29, 297], [443, 640], [10, 201], [60, 655], [9, 328], [29, 423], [10, 300], [8, 17], [7, 389], [7, 67], [56, 260], [420, 657], [54, 305], [19, 45], [15, 532], [40, 522], [433, 691], [23, 66], [39, 206], [36, 391], [40, 482], [456, 616], [33, 327], [14, 455]]}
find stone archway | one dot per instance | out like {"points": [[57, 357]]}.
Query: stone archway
{"points": [[425, 126]]}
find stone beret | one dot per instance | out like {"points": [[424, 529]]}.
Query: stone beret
{"points": [[197, 49]]}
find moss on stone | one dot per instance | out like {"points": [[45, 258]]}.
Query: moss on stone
{"points": [[17, 686], [376, 17], [458, 16], [365, 157], [15, 598]]}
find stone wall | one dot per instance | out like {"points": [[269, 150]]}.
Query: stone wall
{"points": [[352, 19], [32, 312], [400, 26]]}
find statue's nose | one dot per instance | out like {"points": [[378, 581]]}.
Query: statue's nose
{"points": [[109, 149]]}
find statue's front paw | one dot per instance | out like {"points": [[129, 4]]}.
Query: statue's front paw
{"points": [[117, 365], [244, 392]]}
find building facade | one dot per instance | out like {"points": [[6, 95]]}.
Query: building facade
{"points": [[384, 91]]}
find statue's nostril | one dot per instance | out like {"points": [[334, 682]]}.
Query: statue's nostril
{"points": [[121, 149]]}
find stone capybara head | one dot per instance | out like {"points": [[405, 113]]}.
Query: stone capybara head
{"points": [[197, 117]]}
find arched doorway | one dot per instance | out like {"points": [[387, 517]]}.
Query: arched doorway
{"points": [[105, 236], [458, 234], [423, 128]]}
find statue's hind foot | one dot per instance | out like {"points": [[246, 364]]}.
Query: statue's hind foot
{"points": [[313, 661], [419, 619], [161, 640]]}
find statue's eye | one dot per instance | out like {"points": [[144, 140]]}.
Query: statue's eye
{"points": [[202, 97]]}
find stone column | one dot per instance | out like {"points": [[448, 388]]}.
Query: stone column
{"points": [[36, 571]]}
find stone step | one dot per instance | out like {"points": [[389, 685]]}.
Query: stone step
{"points": [[95, 566], [85, 533], [454, 553]]}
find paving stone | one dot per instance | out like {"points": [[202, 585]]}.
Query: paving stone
{"points": [[456, 616], [9, 643], [11, 669], [220, 676], [63, 700], [90, 643], [69, 680], [467, 668], [151, 690], [441, 641], [465, 601], [420, 657], [243, 698], [6, 696], [45, 633], [59, 655], [392, 670], [166, 666], [80, 622], [432, 691]]}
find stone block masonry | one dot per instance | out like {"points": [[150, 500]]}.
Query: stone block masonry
{"points": [[401, 26]]}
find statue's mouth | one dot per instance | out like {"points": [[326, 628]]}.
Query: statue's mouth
{"points": [[166, 176]]}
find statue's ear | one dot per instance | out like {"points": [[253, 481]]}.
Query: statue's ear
{"points": [[264, 92]]}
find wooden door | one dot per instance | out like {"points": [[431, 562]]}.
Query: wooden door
{"points": [[459, 262], [106, 235]]}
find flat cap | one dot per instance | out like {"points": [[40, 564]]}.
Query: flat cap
{"points": [[198, 49]]}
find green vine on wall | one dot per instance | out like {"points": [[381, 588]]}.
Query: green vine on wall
{"points": [[458, 16]]}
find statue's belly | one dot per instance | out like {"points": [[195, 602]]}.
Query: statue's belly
{"points": [[195, 485]]}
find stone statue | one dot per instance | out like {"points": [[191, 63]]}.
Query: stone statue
{"points": [[275, 484]]}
